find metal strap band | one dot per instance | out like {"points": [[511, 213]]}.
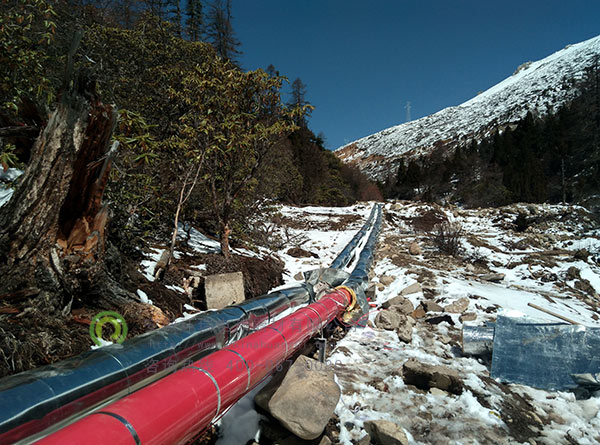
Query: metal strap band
{"points": [[318, 302], [338, 292], [216, 387], [245, 363], [125, 422], [284, 339], [318, 315]]}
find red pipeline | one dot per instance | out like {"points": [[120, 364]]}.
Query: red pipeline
{"points": [[176, 408]]}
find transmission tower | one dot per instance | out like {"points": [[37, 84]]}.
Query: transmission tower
{"points": [[407, 111]]}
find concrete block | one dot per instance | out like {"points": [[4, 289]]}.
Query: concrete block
{"points": [[224, 289]]}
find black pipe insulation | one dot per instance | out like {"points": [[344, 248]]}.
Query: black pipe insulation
{"points": [[345, 256], [359, 277]]}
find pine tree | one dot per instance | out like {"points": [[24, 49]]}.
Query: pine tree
{"points": [[194, 24], [220, 30], [157, 8], [174, 12], [271, 71], [298, 99]]}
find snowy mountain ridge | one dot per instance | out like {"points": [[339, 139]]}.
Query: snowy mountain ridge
{"points": [[539, 87]]}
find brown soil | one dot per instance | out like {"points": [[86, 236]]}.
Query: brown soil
{"points": [[516, 412], [428, 220]]}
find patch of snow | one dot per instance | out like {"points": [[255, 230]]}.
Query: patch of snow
{"points": [[143, 297], [198, 241], [175, 288], [5, 194], [149, 264], [102, 343], [7, 176]]}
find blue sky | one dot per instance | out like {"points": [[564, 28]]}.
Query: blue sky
{"points": [[363, 60]]}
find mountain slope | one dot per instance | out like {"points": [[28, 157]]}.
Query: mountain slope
{"points": [[539, 87]]}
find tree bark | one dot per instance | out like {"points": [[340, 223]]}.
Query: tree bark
{"points": [[225, 232], [52, 231]]}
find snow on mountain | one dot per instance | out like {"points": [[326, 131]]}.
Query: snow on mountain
{"points": [[540, 87]]}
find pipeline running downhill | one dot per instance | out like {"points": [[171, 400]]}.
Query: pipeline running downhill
{"points": [[168, 385]]}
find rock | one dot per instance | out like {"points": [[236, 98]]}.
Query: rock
{"points": [[549, 277], [365, 440], [438, 392], [326, 441], [370, 291], [298, 252], [418, 313], [404, 305], [458, 307], [306, 398], [405, 308], [388, 320], [412, 289], [432, 306], [581, 254], [380, 287], [405, 330], [299, 276], [384, 432], [414, 249], [573, 273], [445, 339], [386, 280], [437, 320], [431, 376], [469, 316], [585, 286], [430, 292], [224, 289], [493, 277]]}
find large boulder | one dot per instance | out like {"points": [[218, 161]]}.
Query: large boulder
{"points": [[425, 377], [306, 398], [400, 303], [388, 320], [384, 432]]}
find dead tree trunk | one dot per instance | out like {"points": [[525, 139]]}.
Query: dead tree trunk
{"points": [[52, 232]]}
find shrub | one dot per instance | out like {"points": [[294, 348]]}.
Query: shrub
{"points": [[448, 237]]}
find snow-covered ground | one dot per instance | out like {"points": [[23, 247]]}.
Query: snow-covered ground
{"points": [[553, 263], [368, 361]]}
